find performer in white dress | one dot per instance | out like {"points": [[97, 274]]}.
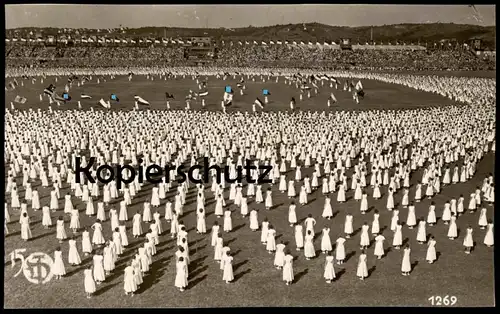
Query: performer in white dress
{"points": [[406, 264], [362, 269], [329, 273], [489, 240], [431, 251], [379, 246], [468, 241], [288, 275], [340, 250]]}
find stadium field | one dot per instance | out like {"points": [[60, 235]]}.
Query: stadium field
{"points": [[379, 95], [470, 278]]}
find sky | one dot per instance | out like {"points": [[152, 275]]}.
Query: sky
{"points": [[233, 16]]}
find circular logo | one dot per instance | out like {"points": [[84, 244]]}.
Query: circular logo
{"points": [[38, 268]]}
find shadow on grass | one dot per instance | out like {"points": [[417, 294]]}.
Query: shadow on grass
{"points": [[156, 272], [239, 275], [298, 276], [196, 281], [339, 274], [106, 288], [43, 235]]}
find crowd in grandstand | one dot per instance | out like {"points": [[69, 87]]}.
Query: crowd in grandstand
{"points": [[252, 56]]}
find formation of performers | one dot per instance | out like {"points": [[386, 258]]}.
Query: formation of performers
{"points": [[382, 156]]}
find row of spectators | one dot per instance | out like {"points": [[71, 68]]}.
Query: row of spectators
{"points": [[252, 56]]}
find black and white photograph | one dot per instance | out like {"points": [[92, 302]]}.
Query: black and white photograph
{"points": [[229, 156]]}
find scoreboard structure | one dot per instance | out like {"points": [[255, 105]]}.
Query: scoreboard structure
{"points": [[477, 44], [201, 51], [345, 44]]}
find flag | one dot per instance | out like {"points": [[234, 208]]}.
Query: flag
{"points": [[84, 96], [169, 96], [20, 99], [266, 92], [141, 101], [359, 86], [59, 98], [66, 97], [104, 104], [259, 103], [48, 91], [332, 97], [228, 98], [114, 97]]}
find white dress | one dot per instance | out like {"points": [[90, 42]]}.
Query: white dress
{"points": [[58, 268], [411, 220], [46, 220], [271, 241], [483, 220], [421, 232], [228, 224], [228, 269], [406, 264], [452, 229], [365, 237], [129, 281], [215, 234], [326, 243], [299, 237], [348, 229], [431, 251], [279, 257], [123, 235], [89, 283], [327, 209], [362, 270], [375, 224], [75, 219], [263, 231], [86, 244], [97, 237], [60, 231], [288, 275], [398, 236], [489, 238], [379, 245], [254, 222], [181, 276], [73, 256], [329, 273], [269, 199], [468, 242], [340, 249]]}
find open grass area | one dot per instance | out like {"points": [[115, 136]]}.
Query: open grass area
{"points": [[257, 282], [379, 95]]}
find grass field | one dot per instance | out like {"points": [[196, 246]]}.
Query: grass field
{"points": [[379, 95], [257, 283]]}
